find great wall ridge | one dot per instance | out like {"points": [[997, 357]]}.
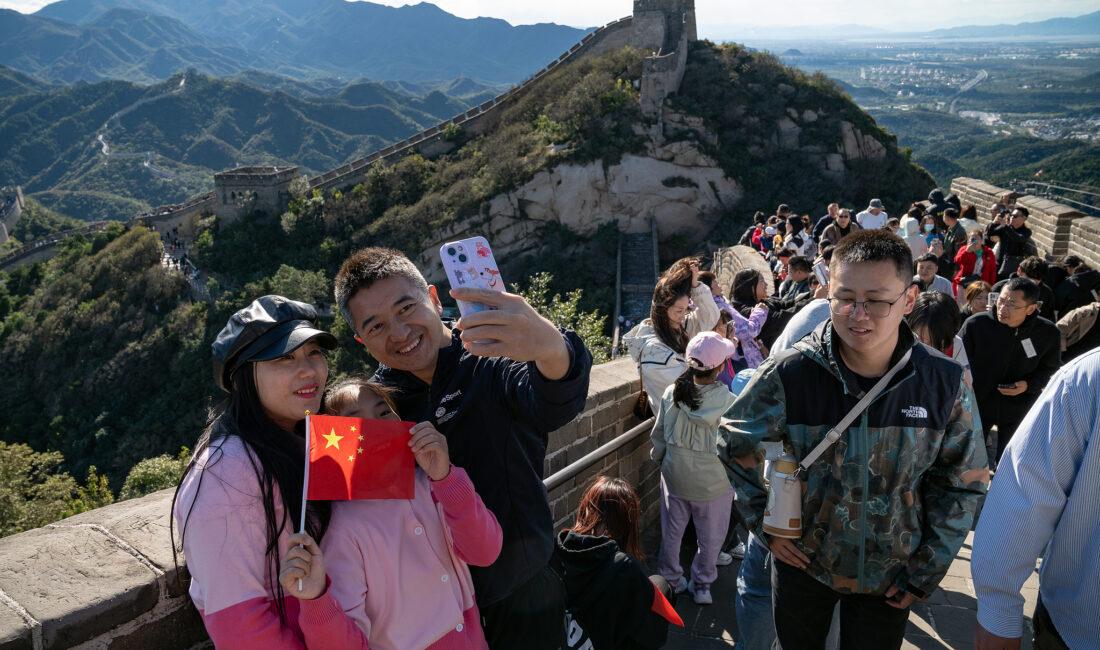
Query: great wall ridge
{"points": [[664, 27]]}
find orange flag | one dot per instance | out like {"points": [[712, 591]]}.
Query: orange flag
{"points": [[353, 458]]}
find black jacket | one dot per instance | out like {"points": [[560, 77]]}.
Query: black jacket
{"points": [[746, 238], [1015, 246], [998, 355], [608, 596], [496, 415], [1078, 290]]}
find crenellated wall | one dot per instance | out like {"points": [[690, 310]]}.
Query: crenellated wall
{"points": [[106, 578], [1050, 222]]}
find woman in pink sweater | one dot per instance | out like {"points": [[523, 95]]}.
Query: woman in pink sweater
{"points": [[240, 500]]}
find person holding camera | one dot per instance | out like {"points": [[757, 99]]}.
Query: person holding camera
{"points": [[888, 467], [1010, 228]]}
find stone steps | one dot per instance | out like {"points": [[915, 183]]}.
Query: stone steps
{"points": [[639, 275]]}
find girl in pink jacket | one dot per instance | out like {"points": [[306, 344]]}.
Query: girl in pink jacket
{"points": [[240, 500]]}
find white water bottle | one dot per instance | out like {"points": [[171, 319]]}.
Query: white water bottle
{"points": [[783, 515]]}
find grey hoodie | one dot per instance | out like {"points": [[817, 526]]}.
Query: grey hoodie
{"points": [[685, 443]]}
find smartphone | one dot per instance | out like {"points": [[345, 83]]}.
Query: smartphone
{"points": [[1007, 386], [821, 271], [470, 264]]}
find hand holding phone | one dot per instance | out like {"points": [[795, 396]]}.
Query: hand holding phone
{"points": [[470, 264], [821, 272]]}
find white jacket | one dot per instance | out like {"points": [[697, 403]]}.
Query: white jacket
{"points": [[658, 364]]}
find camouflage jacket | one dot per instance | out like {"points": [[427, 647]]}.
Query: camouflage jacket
{"points": [[893, 500]]}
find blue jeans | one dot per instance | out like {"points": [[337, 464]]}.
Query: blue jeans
{"points": [[753, 603]]}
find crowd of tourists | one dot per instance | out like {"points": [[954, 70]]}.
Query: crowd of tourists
{"points": [[899, 364], [969, 331]]}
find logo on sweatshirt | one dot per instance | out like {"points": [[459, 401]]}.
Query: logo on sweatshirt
{"points": [[915, 413]]}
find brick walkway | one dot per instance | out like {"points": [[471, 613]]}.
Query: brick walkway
{"points": [[945, 621]]}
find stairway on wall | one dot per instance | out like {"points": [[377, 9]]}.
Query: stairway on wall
{"points": [[639, 274]]}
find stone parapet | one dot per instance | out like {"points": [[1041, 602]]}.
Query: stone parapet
{"points": [[107, 579], [1084, 240], [1050, 221]]}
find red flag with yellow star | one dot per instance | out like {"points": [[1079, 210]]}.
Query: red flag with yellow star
{"points": [[353, 458]]}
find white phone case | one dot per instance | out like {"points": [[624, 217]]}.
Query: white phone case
{"points": [[469, 263]]}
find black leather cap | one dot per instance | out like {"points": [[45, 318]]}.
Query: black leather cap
{"points": [[267, 329]]}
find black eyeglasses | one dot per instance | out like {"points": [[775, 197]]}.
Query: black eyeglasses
{"points": [[874, 308]]}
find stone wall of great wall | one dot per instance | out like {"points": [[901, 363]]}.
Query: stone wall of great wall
{"points": [[1058, 230], [11, 209], [106, 578]]}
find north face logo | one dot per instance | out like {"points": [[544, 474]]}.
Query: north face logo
{"points": [[915, 412]]}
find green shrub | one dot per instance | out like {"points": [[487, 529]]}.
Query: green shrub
{"points": [[153, 474]]}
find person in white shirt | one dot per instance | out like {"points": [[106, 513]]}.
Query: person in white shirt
{"points": [[1045, 501], [874, 217], [927, 266]]}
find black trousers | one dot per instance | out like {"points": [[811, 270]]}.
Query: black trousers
{"points": [[532, 616], [1046, 637], [803, 610]]}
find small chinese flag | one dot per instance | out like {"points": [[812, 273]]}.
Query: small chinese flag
{"points": [[353, 458]]}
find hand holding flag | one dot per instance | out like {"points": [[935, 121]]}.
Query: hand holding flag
{"points": [[429, 447], [303, 565]]}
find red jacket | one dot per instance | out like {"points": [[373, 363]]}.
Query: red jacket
{"points": [[966, 260]]}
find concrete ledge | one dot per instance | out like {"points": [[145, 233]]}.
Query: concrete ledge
{"points": [[74, 582]]}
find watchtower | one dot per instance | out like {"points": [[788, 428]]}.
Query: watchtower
{"points": [[248, 189], [659, 24]]}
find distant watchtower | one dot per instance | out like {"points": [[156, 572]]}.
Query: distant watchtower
{"points": [[659, 24], [664, 27], [248, 189]]}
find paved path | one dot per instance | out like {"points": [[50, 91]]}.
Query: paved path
{"points": [[945, 621]]}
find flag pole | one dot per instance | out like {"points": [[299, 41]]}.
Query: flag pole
{"points": [[305, 490]]}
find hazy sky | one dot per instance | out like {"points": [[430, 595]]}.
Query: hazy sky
{"points": [[718, 18]]}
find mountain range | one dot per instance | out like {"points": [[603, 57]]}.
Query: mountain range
{"points": [[149, 40], [112, 149]]}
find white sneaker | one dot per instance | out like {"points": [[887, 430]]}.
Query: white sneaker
{"points": [[738, 551], [724, 559], [700, 593], [680, 586]]}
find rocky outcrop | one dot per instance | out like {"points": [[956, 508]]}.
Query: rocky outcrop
{"points": [[857, 146], [675, 183]]}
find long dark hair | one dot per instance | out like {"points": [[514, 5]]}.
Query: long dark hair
{"points": [[277, 457], [939, 314], [744, 287], [610, 507], [673, 285], [685, 392]]}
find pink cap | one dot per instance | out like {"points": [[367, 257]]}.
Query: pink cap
{"points": [[708, 350]]}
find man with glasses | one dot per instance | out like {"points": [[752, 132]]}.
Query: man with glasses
{"points": [[886, 508], [1013, 352]]}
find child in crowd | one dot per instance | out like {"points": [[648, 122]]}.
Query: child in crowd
{"points": [[397, 574], [694, 485], [611, 602]]}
